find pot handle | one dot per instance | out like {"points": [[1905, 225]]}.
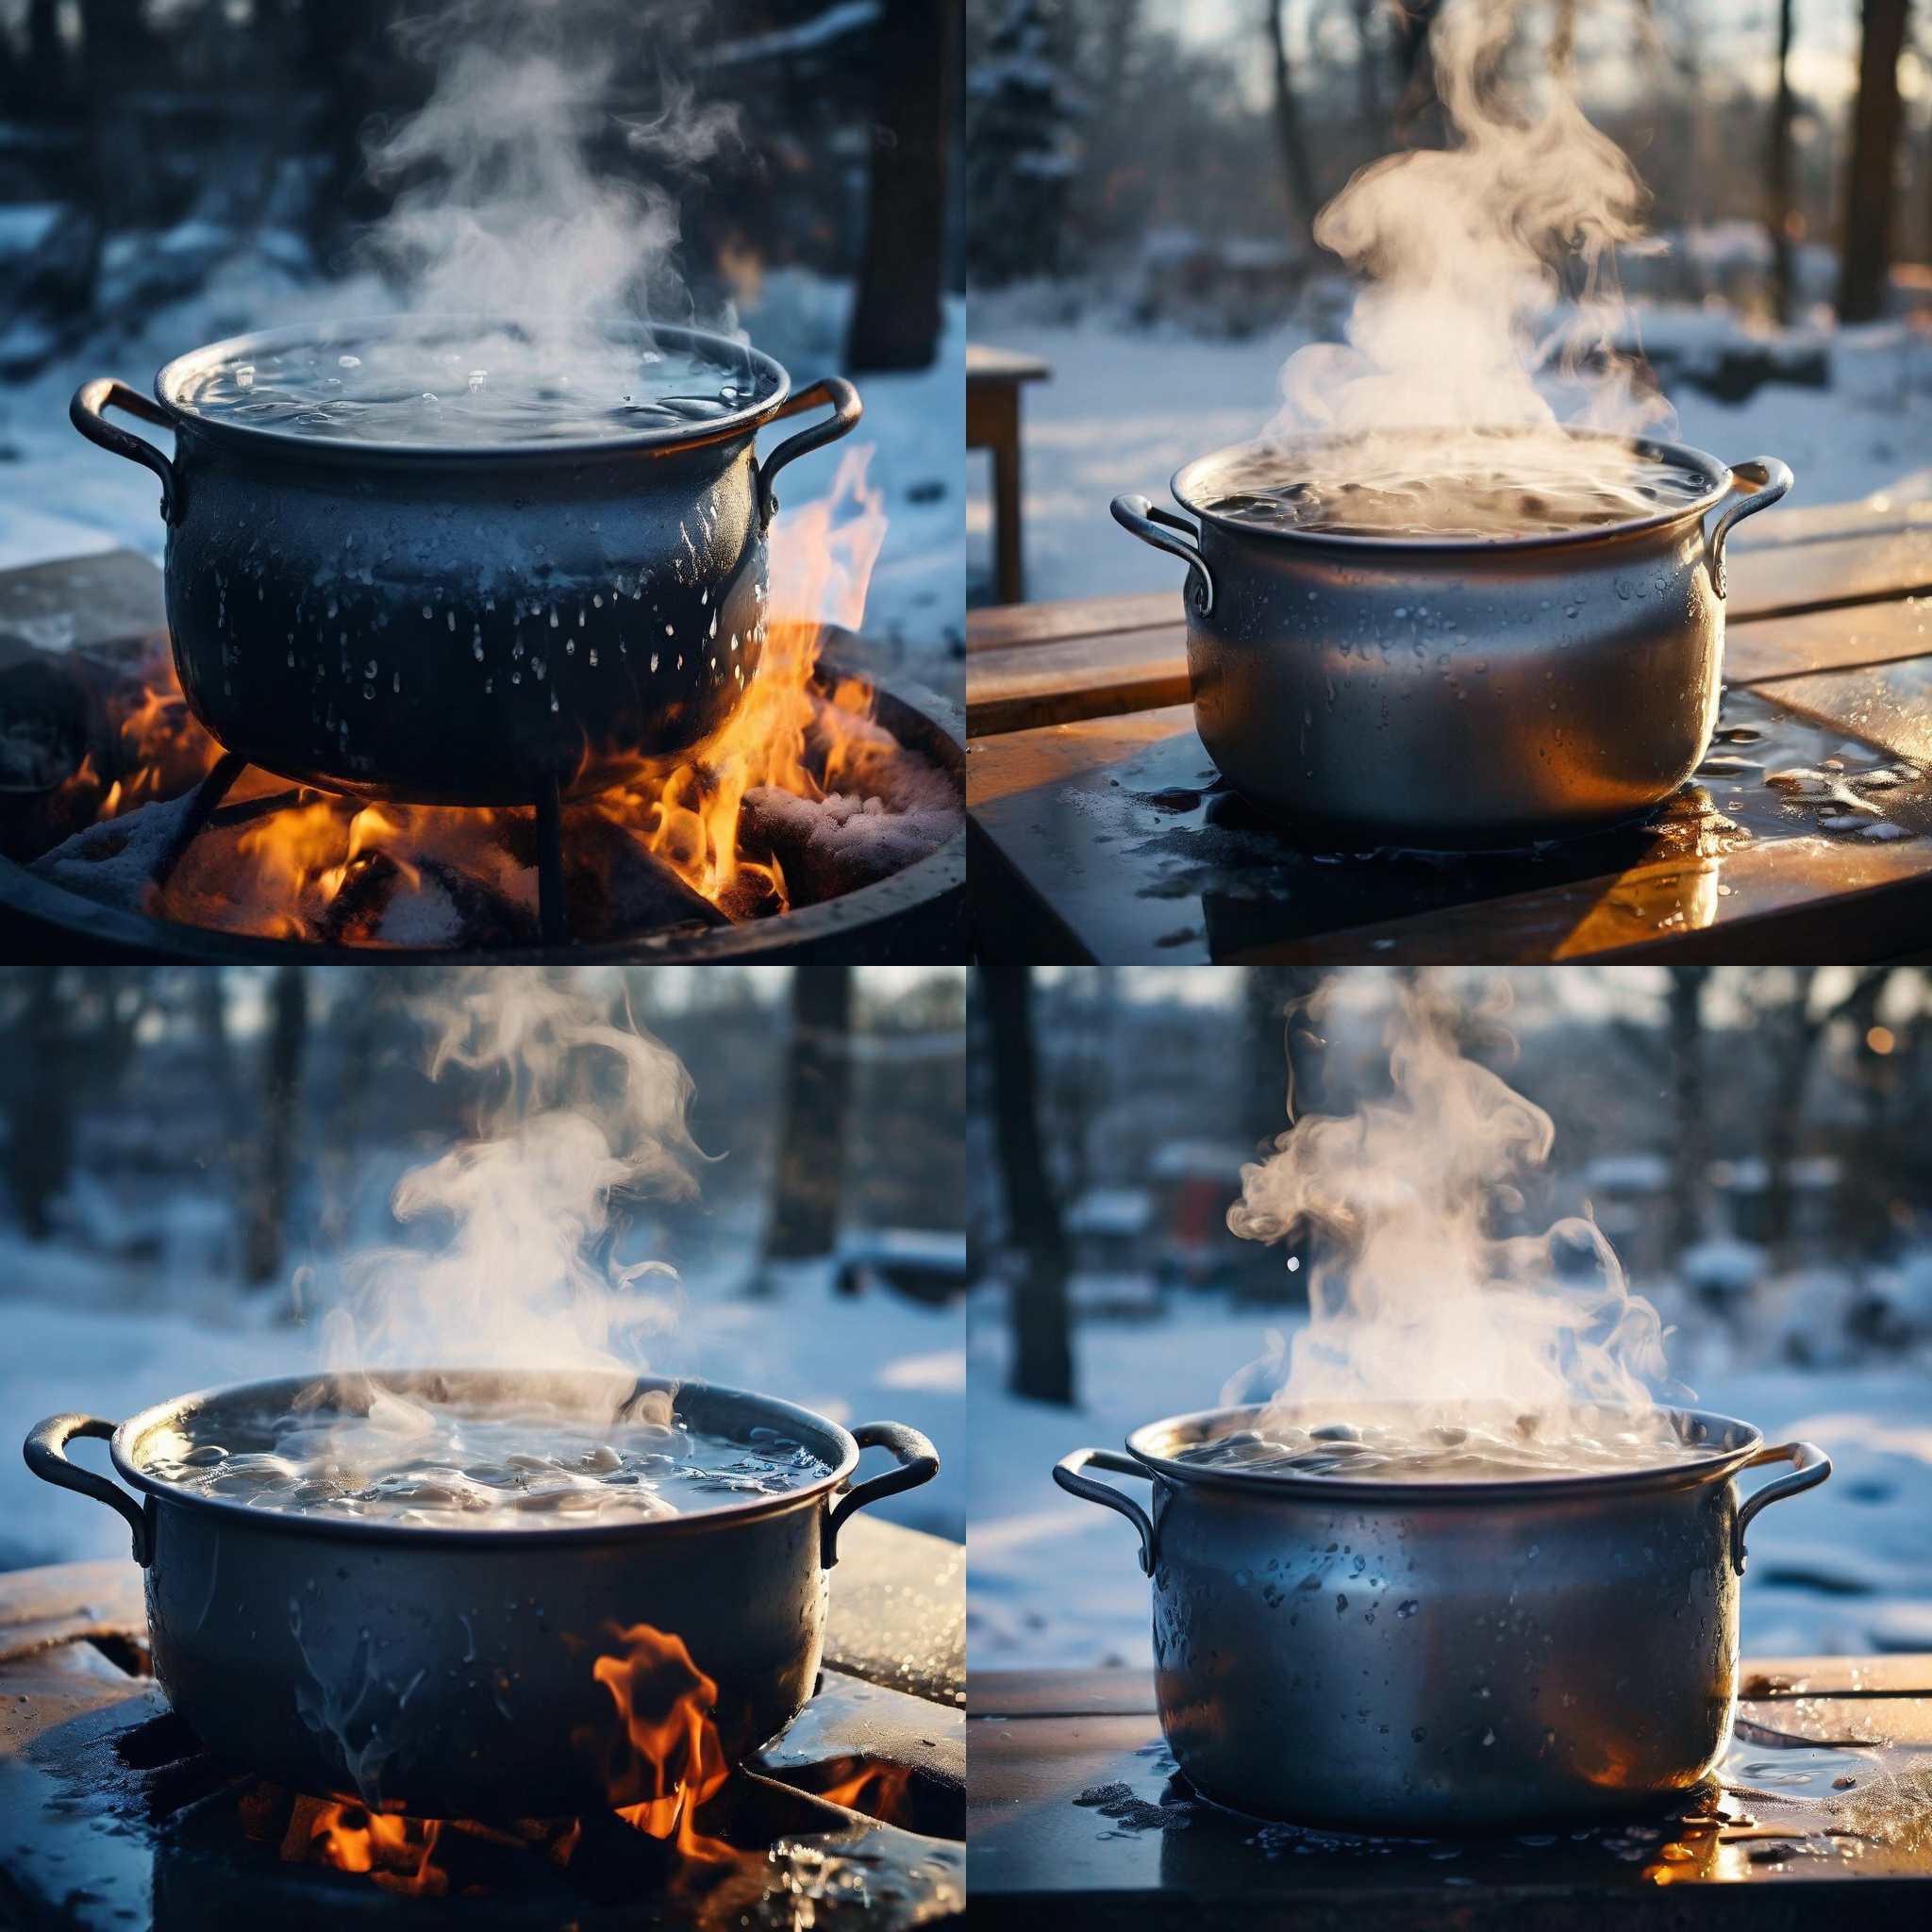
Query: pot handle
{"points": [[919, 1462], [1771, 478], [1135, 514], [91, 400], [1066, 1473], [846, 410], [46, 1456], [1809, 1465]]}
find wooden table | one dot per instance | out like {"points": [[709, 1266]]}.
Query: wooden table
{"points": [[1100, 832], [1075, 1819], [993, 379]]}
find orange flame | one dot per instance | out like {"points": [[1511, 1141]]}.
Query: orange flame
{"points": [[668, 1760], [399, 1853]]}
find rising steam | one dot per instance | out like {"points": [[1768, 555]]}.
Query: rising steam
{"points": [[1414, 1296], [586, 1112], [1463, 253], [503, 211]]}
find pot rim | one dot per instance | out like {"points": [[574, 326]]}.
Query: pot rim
{"points": [[1720, 474], [366, 1530], [172, 376], [1737, 1445]]}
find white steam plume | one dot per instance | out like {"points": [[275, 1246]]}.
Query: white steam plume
{"points": [[1414, 1297], [504, 210], [1462, 252], [589, 1110]]}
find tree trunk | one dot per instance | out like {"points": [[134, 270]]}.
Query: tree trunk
{"points": [[1304, 197], [896, 311], [1282, 1071], [1865, 257], [41, 1151], [288, 1038], [46, 57], [1693, 1136], [804, 1222], [1042, 1366], [1778, 174], [1415, 75]]}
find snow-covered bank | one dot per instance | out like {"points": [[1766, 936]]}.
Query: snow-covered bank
{"points": [[1053, 1581], [1126, 408]]}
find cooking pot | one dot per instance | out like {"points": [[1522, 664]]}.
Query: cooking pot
{"points": [[463, 623], [450, 1670], [1456, 692], [1417, 1657]]}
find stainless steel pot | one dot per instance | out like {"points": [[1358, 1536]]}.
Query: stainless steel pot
{"points": [[464, 625], [1426, 1656], [1456, 692], [451, 1669]]}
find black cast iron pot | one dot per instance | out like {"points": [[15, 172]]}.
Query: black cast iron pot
{"points": [[450, 1669], [464, 624]]}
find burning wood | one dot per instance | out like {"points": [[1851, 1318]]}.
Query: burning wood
{"points": [[800, 797]]}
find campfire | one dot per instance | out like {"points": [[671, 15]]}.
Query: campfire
{"points": [[802, 796]]}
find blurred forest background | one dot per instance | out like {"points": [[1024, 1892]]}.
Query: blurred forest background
{"points": [[189, 1152], [144, 142], [1788, 143], [1144, 176], [1749, 1139]]}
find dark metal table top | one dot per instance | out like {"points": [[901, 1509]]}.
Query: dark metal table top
{"points": [[1824, 1817]]}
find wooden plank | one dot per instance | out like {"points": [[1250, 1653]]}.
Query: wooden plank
{"points": [[898, 1611], [1887, 705], [1828, 641], [985, 363], [1084, 677], [1000, 626], [1115, 1693]]}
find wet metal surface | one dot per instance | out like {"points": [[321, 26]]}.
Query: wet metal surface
{"points": [[1148, 855], [1080, 1816]]}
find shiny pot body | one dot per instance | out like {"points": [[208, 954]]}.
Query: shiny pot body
{"points": [[468, 624], [1456, 693], [451, 1670], [1412, 1658]]}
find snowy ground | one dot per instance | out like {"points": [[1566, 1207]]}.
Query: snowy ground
{"points": [[93, 1335], [1053, 1581], [1126, 408], [60, 497]]}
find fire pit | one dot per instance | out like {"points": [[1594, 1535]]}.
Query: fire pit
{"points": [[824, 826], [411, 1655], [116, 1813]]}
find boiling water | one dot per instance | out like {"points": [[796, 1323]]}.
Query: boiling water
{"points": [[1490, 1450], [1496, 488], [487, 388], [476, 1467]]}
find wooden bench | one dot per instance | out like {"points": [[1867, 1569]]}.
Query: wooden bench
{"points": [[993, 380]]}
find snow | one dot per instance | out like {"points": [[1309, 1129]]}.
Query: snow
{"points": [[1053, 1581], [1127, 407], [103, 1335], [61, 497]]}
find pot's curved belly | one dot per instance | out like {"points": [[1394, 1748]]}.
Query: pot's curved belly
{"points": [[465, 636], [1437, 706], [461, 1681], [1445, 1668]]}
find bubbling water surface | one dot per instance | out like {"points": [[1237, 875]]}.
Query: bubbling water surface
{"points": [[472, 1466], [1493, 486], [482, 388], [1476, 1448]]}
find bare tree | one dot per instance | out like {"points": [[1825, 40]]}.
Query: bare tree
{"points": [[1297, 170], [1042, 1366], [1689, 1091], [896, 312], [288, 1038], [1283, 1064], [804, 1222], [1777, 172], [41, 1148], [1865, 247]]}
